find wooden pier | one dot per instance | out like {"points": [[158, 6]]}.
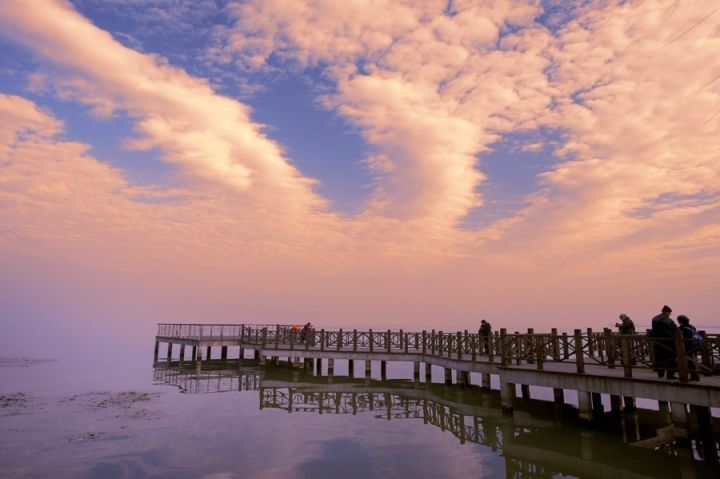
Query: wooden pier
{"points": [[592, 363]]}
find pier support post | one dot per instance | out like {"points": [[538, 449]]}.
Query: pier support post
{"points": [[525, 390], [448, 375], [629, 403], [615, 404], [198, 362], [428, 373], [463, 378], [368, 368], [679, 415], [223, 353], [256, 354], [241, 355], [507, 394], [318, 366], [486, 381], [416, 371], [664, 410], [383, 370], [208, 355], [194, 354], [559, 396], [307, 364], [704, 420], [182, 355], [585, 405], [169, 352], [262, 360], [351, 368], [597, 404], [331, 366], [157, 350]]}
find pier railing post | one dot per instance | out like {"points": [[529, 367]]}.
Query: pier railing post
{"points": [[424, 341], [473, 347], [540, 351], [591, 346], [354, 339], [566, 346], [503, 347], [459, 344], [388, 342], [626, 357], [681, 357], [555, 344], [609, 347], [406, 339], [370, 340], [705, 356], [432, 342], [579, 354], [322, 340], [491, 345], [339, 339], [528, 346]]}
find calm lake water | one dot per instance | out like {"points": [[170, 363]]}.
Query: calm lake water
{"points": [[117, 419]]}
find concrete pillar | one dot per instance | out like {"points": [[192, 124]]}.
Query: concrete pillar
{"points": [[198, 362], [223, 353], [428, 373], [629, 403], [256, 354], [559, 396], [416, 371], [208, 355], [182, 354], [194, 353], [615, 404], [485, 381], [525, 390], [318, 366], [368, 368], [463, 378], [705, 433], [383, 370], [169, 352], [679, 416], [585, 405], [664, 411], [351, 368], [597, 404], [448, 375], [157, 350], [507, 395], [331, 366], [242, 354]]}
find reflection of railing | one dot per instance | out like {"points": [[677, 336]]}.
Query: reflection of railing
{"points": [[209, 382], [599, 348], [392, 406]]}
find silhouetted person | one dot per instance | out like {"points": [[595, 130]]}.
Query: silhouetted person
{"points": [[693, 341], [663, 331], [305, 332], [626, 326], [484, 333]]}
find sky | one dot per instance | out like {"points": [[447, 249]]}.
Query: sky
{"points": [[381, 163]]}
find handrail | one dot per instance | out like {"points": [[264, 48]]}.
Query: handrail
{"points": [[605, 348]]}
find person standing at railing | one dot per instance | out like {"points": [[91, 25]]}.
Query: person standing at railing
{"points": [[693, 342], [663, 331], [484, 334], [626, 326]]}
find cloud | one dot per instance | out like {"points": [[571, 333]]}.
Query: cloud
{"points": [[212, 137]]}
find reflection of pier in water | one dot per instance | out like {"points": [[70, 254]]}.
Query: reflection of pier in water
{"points": [[539, 440]]}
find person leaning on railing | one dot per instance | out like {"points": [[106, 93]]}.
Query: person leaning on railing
{"points": [[693, 341]]}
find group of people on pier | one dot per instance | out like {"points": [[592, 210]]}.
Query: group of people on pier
{"points": [[663, 330]]}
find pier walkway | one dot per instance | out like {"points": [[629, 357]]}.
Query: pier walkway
{"points": [[589, 362]]}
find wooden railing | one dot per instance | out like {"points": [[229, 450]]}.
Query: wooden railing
{"points": [[604, 348]]}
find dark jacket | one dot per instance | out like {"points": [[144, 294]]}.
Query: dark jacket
{"points": [[627, 326], [663, 326]]}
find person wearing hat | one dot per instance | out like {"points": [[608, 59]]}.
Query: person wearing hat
{"points": [[626, 326], [663, 331]]}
